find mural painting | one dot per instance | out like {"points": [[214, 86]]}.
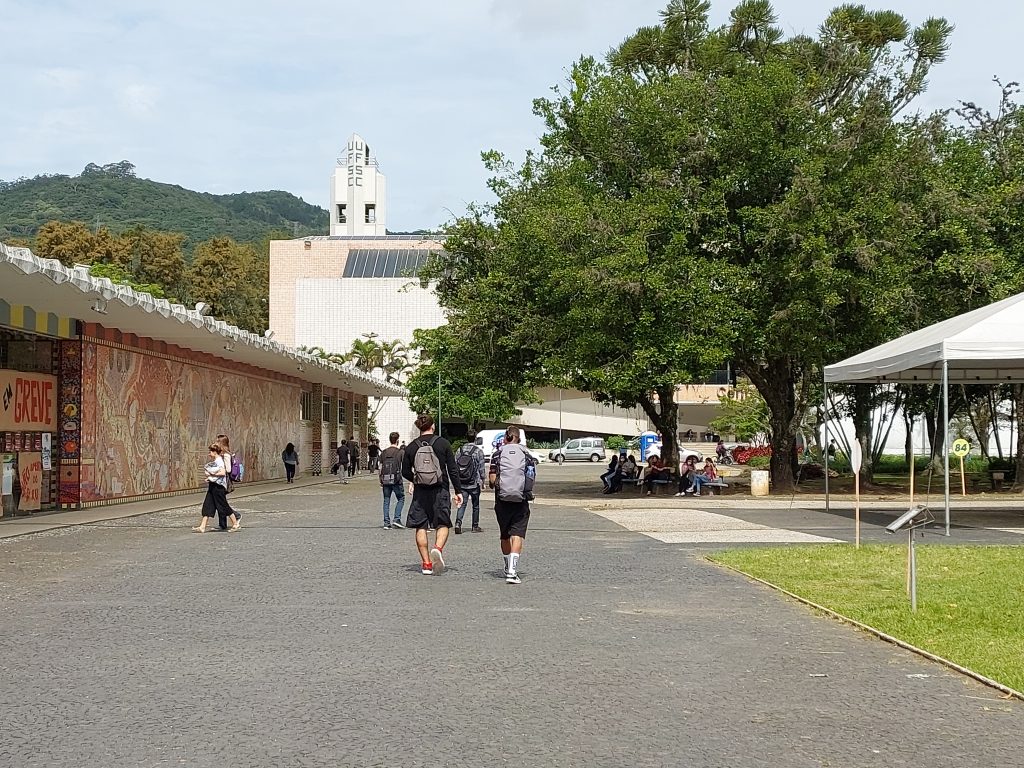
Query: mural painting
{"points": [[153, 418]]}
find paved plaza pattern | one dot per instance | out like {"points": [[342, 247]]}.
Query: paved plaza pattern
{"points": [[311, 639]]}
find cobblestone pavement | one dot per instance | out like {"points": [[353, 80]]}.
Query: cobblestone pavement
{"points": [[311, 639]]}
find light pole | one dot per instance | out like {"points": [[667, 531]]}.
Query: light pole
{"points": [[559, 417], [438, 403]]}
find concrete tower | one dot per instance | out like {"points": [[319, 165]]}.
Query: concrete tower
{"points": [[358, 192]]}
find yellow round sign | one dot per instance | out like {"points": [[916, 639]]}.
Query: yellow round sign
{"points": [[961, 447]]}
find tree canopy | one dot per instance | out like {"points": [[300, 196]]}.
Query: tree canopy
{"points": [[705, 195]]}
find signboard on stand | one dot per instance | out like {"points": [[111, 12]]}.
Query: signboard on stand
{"points": [[30, 473]]}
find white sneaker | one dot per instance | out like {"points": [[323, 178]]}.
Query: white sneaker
{"points": [[437, 560], [513, 578]]}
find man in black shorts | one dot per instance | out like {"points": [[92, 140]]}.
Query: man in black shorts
{"points": [[432, 472], [513, 515]]}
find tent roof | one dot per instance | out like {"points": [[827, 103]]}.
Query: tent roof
{"points": [[984, 346], [48, 286]]}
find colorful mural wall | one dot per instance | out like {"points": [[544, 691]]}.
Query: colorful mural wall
{"points": [[148, 419]]}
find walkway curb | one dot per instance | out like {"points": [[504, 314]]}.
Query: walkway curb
{"points": [[57, 520], [1010, 692]]}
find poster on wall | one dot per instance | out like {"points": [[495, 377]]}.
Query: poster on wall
{"points": [[46, 447], [30, 473], [6, 474]]}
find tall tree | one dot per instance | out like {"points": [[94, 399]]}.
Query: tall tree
{"points": [[710, 173]]}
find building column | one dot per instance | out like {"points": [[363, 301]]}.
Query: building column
{"points": [[68, 451], [317, 422]]}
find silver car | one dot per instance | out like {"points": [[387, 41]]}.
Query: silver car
{"points": [[582, 449]]}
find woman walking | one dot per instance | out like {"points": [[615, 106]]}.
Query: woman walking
{"points": [[291, 461], [224, 509], [216, 489]]}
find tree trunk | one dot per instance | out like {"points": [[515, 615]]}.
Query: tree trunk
{"points": [[775, 382], [665, 415], [1018, 406], [862, 402], [908, 444]]}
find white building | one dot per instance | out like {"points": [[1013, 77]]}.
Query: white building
{"points": [[358, 192]]}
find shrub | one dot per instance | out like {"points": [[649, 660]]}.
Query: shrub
{"points": [[615, 442], [759, 462], [743, 454]]}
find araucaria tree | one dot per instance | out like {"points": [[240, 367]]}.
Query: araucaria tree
{"points": [[705, 195]]}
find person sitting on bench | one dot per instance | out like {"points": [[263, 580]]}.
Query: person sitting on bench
{"points": [[608, 477], [656, 470], [707, 475], [687, 471]]}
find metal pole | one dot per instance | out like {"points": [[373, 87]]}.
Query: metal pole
{"points": [[439, 403], [913, 573], [559, 416], [826, 448], [945, 433]]}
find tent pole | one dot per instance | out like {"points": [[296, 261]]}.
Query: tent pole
{"points": [[945, 433], [825, 445]]}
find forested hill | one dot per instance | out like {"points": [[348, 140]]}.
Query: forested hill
{"points": [[112, 196]]}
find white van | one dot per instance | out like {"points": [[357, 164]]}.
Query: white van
{"points": [[485, 439]]}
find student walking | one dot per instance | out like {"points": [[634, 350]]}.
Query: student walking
{"points": [[373, 455], [216, 488], [343, 459], [470, 462], [429, 465], [224, 510], [354, 460], [291, 461], [512, 475], [391, 481]]}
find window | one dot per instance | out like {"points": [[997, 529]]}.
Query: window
{"points": [[371, 213], [587, 444], [325, 411], [341, 213], [573, 444], [342, 413], [306, 406], [357, 415]]}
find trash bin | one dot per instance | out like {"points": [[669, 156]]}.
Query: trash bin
{"points": [[759, 482]]}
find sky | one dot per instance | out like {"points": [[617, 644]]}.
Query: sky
{"points": [[226, 96]]}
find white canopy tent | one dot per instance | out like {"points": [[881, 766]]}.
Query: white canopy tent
{"points": [[984, 346]]}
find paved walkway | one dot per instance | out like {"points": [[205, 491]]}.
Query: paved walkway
{"points": [[310, 639]]}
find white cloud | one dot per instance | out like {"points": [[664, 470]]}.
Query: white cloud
{"points": [[138, 100]]}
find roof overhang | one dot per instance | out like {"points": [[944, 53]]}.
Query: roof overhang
{"points": [[46, 285]]}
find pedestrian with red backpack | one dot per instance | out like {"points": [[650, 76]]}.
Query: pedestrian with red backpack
{"points": [[429, 465]]}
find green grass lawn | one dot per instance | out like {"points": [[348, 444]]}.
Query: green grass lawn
{"points": [[969, 599]]}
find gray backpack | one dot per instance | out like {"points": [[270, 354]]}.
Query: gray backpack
{"points": [[426, 467], [516, 473]]}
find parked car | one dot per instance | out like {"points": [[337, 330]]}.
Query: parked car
{"points": [[582, 449]]}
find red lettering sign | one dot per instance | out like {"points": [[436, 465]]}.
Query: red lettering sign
{"points": [[29, 402]]}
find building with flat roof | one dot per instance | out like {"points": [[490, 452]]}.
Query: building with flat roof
{"points": [[108, 394]]}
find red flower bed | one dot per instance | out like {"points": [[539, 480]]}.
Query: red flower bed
{"points": [[742, 455]]}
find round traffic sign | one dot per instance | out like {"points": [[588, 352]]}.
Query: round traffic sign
{"points": [[961, 447]]}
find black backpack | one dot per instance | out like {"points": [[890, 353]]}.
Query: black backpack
{"points": [[391, 469], [466, 464]]}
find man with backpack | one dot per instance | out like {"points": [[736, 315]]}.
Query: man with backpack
{"points": [[391, 481], [470, 463], [353, 466], [343, 459], [512, 476], [429, 465]]}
